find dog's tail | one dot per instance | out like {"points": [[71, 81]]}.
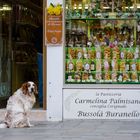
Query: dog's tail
{"points": [[3, 125]]}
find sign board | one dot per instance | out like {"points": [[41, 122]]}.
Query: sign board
{"points": [[101, 104], [53, 24]]}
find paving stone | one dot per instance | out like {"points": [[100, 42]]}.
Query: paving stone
{"points": [[76, 130]]}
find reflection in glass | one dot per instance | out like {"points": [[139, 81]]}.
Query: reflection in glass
{"points": [[5, 41]]}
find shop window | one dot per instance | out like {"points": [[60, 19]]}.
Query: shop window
{"points": [[102, 42]]}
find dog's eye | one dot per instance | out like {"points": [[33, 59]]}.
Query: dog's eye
{"points": [[28, 84]]}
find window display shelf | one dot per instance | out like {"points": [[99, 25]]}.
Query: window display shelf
{"points": [[101, 18]]}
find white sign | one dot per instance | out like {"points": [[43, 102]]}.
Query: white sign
{"points": [[101, 104]]}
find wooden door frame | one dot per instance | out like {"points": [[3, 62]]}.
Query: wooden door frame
{"points": [[44, 62]]}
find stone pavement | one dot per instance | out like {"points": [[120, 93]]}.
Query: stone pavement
{"points": [[76, 130]]}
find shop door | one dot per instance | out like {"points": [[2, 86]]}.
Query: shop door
{"points": [[5, 53], [27, 47]]}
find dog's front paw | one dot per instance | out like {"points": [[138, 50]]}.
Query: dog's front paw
{"points": [[31, 125]]}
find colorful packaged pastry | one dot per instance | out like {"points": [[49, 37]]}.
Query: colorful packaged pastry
{"points": [[123, 54], [70, 78], [138, 65], [85, 77], [91, 53], [114, 77], [120, 77], [91, 78], [115, 53], [79, 53], [85, 52], [98, 76], [106, 65], [71, 53], [125, 43], [107, 53], [134, 77], [114, 64], [107, 76], [98, 65], [87, 66], [98, 53], [127, 66], [77, 77], [122, 65], [126, 77], [79, 65], [70, 65], [130, 54], [89, 44], [136, 53], [133, 66]]}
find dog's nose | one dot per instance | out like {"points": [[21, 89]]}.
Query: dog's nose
{"points": [[32, 89]]}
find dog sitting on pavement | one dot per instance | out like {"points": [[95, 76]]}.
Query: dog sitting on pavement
{"points": [[19, 106]]}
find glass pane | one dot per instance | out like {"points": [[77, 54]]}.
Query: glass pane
{"points": [[5, 44], [102, 42]]}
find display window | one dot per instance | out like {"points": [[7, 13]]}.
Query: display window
{"points": [[102, 42]]}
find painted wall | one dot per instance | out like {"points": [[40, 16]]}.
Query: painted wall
{"points": [[54, 77], [54, 83]]}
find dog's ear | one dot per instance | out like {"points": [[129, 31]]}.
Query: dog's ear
{"points": [[25, 88], [36, 91]]}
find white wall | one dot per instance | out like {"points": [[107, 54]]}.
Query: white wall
{"points": [[54, 78], [54, 83]]}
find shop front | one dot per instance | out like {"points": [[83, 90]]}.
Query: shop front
{"points": [[93, 67]]}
